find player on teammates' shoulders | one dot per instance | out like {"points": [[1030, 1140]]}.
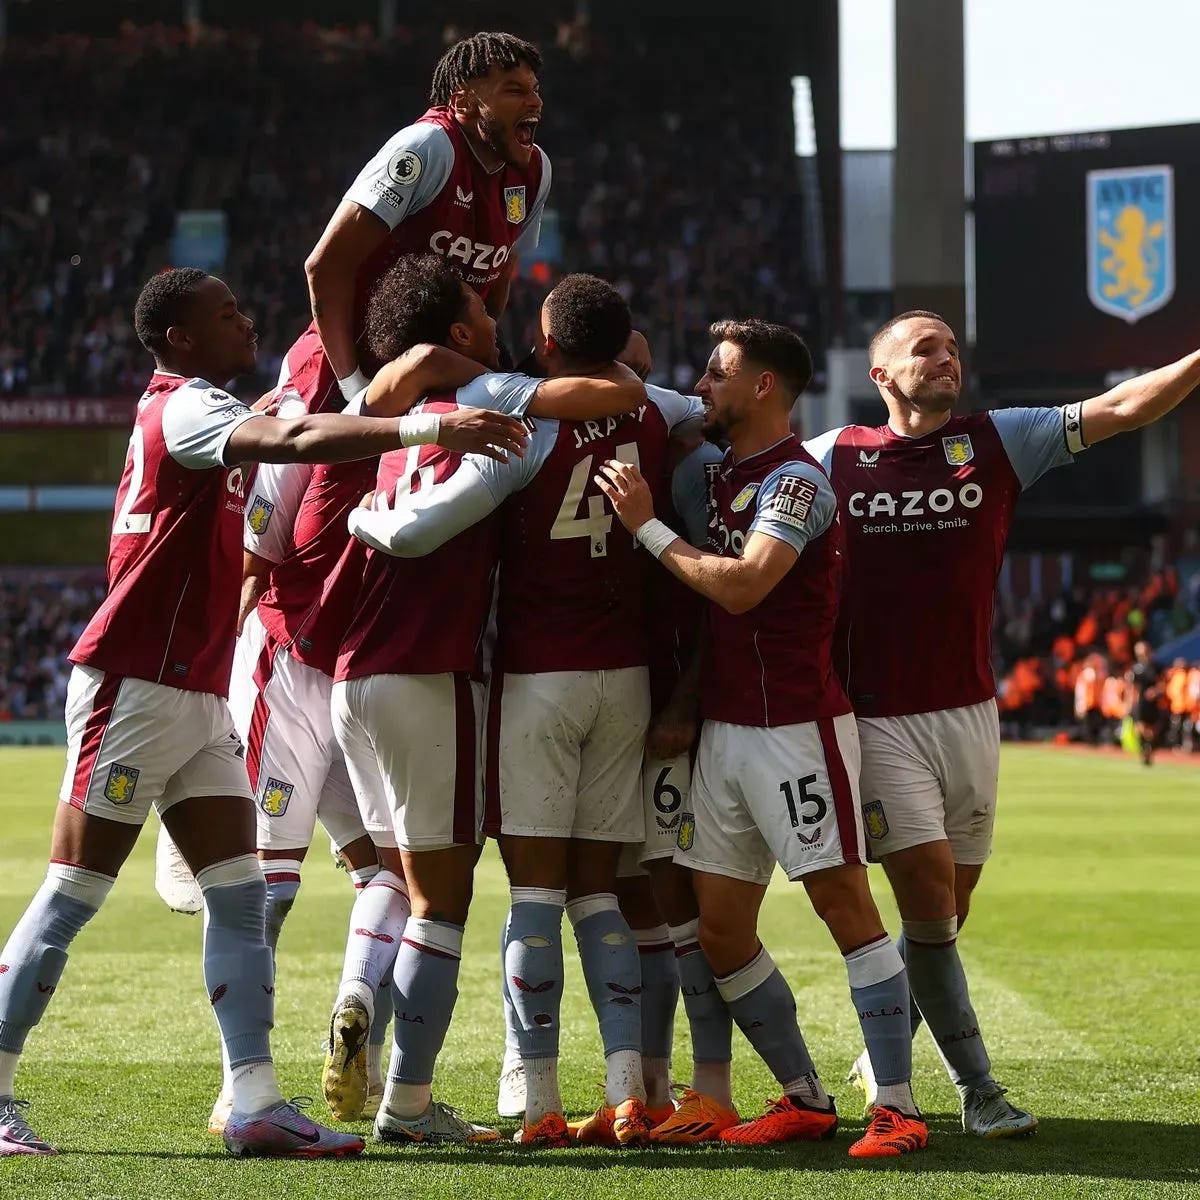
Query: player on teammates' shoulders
{"points": [[465, 181], [927, 501]]}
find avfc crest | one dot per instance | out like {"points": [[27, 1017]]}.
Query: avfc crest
{"points": [[687, 832], [1131, 240], [742, 500], [514, 204], [875, 820], [259, 516], [958, 449], [276, 797], [121, 782]]}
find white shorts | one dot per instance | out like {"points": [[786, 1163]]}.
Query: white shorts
{"points": [[280, 709], [564, 754], [133, 745], [412, 746], [666, 785], [931, 777], [787, 795]]}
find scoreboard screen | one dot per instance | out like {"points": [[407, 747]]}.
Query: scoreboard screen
{"points": [[1087, 252]]}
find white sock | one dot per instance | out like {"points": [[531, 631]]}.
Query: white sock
{"points": [[657, 1075], [897, 1095], [624, 1080], [541, 1089], [360, 993], [254, 1087], [8, 1073], [374, 1066], [407, 1100], [714, 1079], [809, 1089]]}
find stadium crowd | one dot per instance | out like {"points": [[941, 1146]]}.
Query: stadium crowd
{"points": [[40, 620], [1071, 662], [74, 250]]}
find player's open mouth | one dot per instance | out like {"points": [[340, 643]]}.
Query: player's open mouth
{"points": [[525, 131]]}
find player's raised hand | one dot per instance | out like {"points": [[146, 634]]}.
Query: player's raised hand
{"points": [[628, 493], [480, 431]]}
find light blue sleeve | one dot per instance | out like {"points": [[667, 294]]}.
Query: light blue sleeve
{"points": [[821, 446], [690, 490], [406, 173], [422, 521], [795, 504], [426, 519], [503, 479], [676, 408], [1035, 440], [502, 391], [532, 232]]}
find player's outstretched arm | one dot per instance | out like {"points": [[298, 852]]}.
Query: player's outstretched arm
{"points": [[612, 392], [352, 234], [736, 584], [1140, 401], [418, 372], [422, 522], [338, 437]]}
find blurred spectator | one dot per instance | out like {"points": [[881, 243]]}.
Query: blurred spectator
{"points": [[1084, 661], [40, 621]]}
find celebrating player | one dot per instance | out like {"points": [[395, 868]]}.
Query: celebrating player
{"points": [[569, 675], [282, 674], [928, 500], [405, 704], [147, 720], [656, 893], [777, 767], [465, 181]]}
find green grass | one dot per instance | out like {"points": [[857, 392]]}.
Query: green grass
{"points": [[1082, 952]]}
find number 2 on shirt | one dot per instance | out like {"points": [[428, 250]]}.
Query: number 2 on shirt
{"points": [[597, 525], [127, 521]]}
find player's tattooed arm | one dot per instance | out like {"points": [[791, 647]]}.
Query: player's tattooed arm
{"points": [[1139, 401], [736, 584], [612, 392], [352, 234], [418, 372]]}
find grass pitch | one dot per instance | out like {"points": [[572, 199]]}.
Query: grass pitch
{"points": [[1081, 950]]}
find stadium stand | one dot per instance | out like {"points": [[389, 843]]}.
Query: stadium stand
{"points": [[258, 128]]}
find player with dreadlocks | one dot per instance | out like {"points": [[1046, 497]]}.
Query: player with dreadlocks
{"points": [[465, 181]]}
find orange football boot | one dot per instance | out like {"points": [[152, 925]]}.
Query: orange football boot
{"points": [[786, 1120], [550, 1133], [698, 1118], [891, 1133]]}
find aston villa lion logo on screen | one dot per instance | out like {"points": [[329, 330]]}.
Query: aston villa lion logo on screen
{"points": [[1131, 240]]}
